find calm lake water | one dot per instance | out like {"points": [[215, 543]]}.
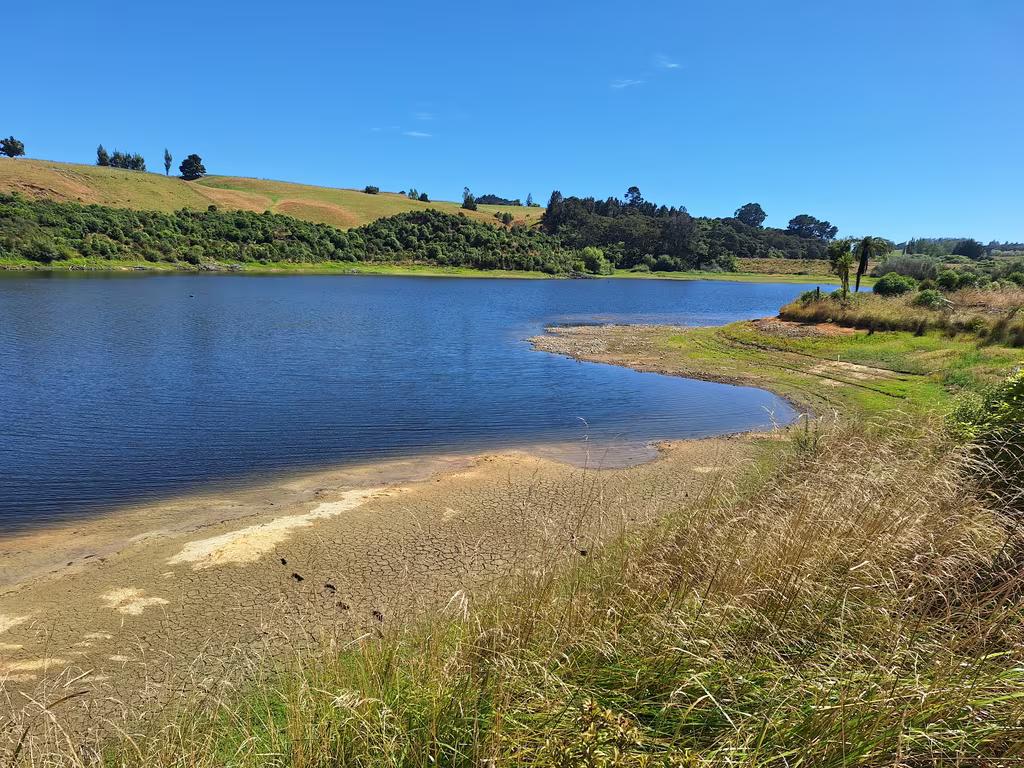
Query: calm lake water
{"points": [[116, 389]]}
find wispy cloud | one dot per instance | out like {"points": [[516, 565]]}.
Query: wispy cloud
{"points": [[417, 134], [623, 82], [661, 61]]}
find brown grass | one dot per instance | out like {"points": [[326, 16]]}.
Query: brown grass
{"points": [[991, 315], [860, 605]]}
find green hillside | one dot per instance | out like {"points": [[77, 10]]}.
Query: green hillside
{"points": [[343, 208]]}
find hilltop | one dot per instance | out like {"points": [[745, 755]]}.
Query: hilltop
{"points": [[118, 188]]}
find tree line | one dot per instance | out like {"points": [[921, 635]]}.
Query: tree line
{"points": [[45, 231], [191, 167], [634, 233]]}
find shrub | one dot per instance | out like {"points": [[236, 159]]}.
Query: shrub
{"points": [[948, 280], [929, 298], [917, 267], [594, 261], [927, 285], [371, 190], [894, 284]]}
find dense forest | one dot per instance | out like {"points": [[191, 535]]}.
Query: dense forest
{"points": [[44, 231], [637, 234]]}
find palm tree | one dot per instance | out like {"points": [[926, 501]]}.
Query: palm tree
{"points": [[841, 258], [866, 249]]}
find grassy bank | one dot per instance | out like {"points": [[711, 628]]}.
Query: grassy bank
{"points": [[854, 598], [994, 316], [856, 606], [363, 268]]}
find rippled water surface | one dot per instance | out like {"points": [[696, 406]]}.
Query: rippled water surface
{"points": [[115, 389]]}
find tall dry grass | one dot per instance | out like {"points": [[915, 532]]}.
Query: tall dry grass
{"points": [[860, 606], [995, 316]]}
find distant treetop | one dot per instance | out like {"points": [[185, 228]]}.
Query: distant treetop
{"points": [[192, 168], [11, 147]]}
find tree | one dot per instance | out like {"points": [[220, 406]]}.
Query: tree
{"points": [[866, 249], [102, 156], [192, 168], [167, 162], [468, 201], [424, 198], [633, 197], [529, 199], [970, 248], [751, 214], [412, 194], [806, 225], [841, 259], [11, 147]]}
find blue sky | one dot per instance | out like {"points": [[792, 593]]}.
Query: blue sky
{"points": [[900, 118]]}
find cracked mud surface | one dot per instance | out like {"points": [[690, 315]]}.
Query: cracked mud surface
{"points": [[163, 600]]}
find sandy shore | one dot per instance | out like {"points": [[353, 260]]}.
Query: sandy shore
{"points": [[165, 599]]}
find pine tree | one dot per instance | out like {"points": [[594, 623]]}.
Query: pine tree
{"points": [[167, 162], [102, 156]]}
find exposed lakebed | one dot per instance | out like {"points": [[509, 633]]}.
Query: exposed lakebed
{"points": [[118, 389]]}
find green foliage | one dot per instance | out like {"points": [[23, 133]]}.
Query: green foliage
{"points": [[841, 258], [929, 298], [468, 201], [808, 226], [893, 284], [192, 168], [102, 156], [44, 231], [167, 162], [970, 248], [994, 421], [594, 261], [637, 231], [751, 214], [11, 147], [866, 249], [496, 200], [948, 280], [371, 190], [133, 162]]}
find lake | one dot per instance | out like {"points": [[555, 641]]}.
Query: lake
{"points": [[117, 389]]}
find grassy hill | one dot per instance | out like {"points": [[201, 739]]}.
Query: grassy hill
{"points": [[343, 208]]}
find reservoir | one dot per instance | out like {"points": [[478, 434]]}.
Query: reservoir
{"points": [[117, 389]]}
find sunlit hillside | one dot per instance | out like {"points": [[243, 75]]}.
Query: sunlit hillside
{"points": [[153, 191]]}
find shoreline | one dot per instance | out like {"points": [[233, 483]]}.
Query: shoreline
{"points": [[58, 548], [183, 588], [125, 268]]}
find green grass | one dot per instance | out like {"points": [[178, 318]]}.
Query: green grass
{"points": [[740, 277], [914, 374]]}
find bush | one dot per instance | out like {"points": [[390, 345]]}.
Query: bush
{"points": [[917, 267], [927, 285], [894, 284], [948, 280], [371, 190], [929, 298], [594, 261]]}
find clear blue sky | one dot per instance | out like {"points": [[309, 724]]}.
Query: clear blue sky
{"points": [[891, 117]]}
